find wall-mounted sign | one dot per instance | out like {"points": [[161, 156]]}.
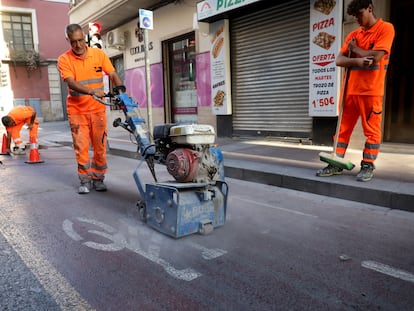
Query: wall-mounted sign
{"points": [[325, 40], [208, 8], [220, 67]]}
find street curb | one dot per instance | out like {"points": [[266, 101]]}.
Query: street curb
{"points": [[397, 196]]}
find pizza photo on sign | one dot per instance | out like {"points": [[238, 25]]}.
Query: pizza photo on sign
{"points": [[324, 6], [219, 98], [217, 47], [324, 40]]}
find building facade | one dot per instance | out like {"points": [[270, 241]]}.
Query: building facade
{"points": [[31, 38], [260, 85]]}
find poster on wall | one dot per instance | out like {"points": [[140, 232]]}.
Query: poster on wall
{"points": [[325, 42], [220, 68]]}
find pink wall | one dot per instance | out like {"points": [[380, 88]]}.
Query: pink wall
{"points": [[203, 80], [136, 84], [34, 86]]}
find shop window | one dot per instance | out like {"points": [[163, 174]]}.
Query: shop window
{"points": [[183, 84]]}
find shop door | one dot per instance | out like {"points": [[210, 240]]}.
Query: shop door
{"points": [[182, 84], [399, 107]]}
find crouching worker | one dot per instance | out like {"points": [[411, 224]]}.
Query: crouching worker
{"points": [[14, 122]]}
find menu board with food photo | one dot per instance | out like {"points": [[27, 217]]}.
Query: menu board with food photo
{"points": [[220, 68], [325, 41]]}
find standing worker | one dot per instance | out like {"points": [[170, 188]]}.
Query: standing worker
{"points": [[82, 68], [14, 122], [370, 47]]}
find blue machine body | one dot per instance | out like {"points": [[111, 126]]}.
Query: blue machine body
{"points": [[180, 209]]}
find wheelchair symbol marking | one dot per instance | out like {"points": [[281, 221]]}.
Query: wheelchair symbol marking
{"points": [[119, 242]]}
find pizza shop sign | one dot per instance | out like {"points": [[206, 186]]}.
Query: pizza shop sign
{"points": [[209, 8], [325, 36]]}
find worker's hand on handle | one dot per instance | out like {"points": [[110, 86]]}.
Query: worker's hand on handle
{"points": [[352, 45], [99, 99], [97, 93], [119, 89], [363, 59]]}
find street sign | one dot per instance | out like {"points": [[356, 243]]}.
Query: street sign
{"points": [[145, 19]]}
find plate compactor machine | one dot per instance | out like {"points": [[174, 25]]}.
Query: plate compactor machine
{"points": [[195, 201]]}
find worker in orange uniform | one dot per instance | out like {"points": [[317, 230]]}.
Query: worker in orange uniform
{"points": [[370, 47], [82, 68], [14, 122]]}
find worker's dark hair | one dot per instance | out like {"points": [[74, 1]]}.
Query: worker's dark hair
{"points": [[7, 121], [71, 28], [356, 5]]}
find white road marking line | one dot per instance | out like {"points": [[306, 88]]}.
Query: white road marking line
{"points": [[119, 242], [278, 208], [388, 270], [64, 294], [154, 248], [208, 253], [117, 239], [99, 224], [68, 228]]}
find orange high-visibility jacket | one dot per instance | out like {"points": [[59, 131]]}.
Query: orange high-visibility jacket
{"points": [[89, 72], [370, 81]]}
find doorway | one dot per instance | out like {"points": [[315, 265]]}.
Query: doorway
{"points": [[399, 108], [180, 57]]}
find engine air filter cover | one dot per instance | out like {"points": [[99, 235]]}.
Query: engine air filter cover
{"points": [[192, 134], [183, 164]]}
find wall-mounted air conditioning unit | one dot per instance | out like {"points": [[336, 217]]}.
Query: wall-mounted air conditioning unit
{"points": [[115, 39]]}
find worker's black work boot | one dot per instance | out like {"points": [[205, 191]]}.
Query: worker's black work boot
{"points": [[367, 171], [330, 170], [99, 185]]}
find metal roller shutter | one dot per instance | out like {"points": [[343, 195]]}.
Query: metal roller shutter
{"points": [[270, 68]]}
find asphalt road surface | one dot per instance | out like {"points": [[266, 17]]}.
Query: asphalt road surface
{"points": [[278, 250]]}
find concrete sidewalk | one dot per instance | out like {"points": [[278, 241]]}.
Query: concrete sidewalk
{"points": [[288, 164]]}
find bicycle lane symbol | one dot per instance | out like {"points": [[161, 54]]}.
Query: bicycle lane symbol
{"points": [[119, 242]]}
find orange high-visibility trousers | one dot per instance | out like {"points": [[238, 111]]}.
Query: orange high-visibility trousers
{"points": [[89, 130], [369, 108]]}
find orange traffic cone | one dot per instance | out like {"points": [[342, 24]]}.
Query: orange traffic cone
{"points": [[34, 156], [4, 146]]}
